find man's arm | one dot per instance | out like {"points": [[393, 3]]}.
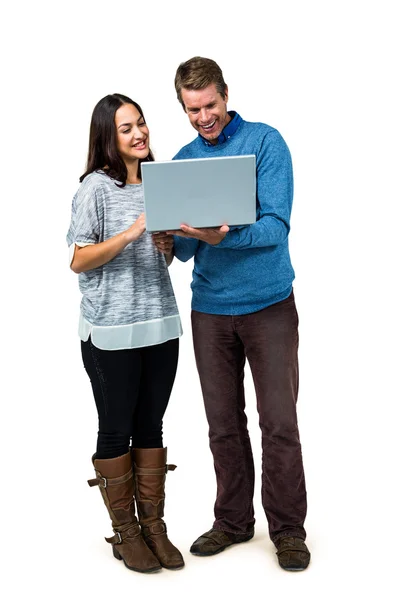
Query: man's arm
{"points": [[275, 196], [184, 249]]}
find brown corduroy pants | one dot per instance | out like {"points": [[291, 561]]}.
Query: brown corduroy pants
{"points": [[269, 340]]}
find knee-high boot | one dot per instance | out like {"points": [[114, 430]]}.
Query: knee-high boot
{"points": [[115, 479], [150, 469]]}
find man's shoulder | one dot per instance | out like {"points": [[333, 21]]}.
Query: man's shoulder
{"points": [[261, 134], [258, 127]]}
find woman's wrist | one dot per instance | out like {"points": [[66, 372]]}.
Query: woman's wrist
{"points": [[130, 235]]}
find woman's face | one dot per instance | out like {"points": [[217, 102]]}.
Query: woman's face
{"points": [[132, 133]]}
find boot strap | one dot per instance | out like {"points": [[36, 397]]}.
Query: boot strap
{"points": [[103, 482], [115, 539], [154, 528], [120, 536], [159, 471]]}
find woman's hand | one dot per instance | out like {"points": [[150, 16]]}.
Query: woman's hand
{"points": [[137, 229]]}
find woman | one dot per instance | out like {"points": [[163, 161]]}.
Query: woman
{"points": [[129, 329]]}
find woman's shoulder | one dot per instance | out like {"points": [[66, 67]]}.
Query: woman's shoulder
{"points": [[95, 185], [96, 180]]}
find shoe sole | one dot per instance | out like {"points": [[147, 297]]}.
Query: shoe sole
{"points": [[293, 568], [172, 568], [149, 571]]}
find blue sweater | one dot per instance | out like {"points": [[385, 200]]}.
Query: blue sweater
{"points": [[251, 268]]}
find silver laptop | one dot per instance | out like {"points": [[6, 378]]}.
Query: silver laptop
{"points": [[200, 192]]}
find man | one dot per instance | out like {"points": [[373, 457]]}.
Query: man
{"points": [[243, 307]]}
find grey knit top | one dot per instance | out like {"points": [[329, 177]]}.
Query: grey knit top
{"points": [[128, 302]]}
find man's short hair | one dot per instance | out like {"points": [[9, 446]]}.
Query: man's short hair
{"points": [[198, 73]]}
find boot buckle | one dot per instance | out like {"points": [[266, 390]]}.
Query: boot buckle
{"points": [[98, 481], [115, 539]]}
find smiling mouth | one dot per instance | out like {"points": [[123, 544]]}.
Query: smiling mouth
{"points": [[210, 126], [140, 145]]}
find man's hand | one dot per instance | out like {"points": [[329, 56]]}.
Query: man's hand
{"points": [[163, 242], [209, 235]]}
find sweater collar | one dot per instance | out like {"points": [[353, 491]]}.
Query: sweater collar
{"points": [[228, 131]]}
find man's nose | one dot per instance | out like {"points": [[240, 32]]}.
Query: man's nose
{"points": [[204, 115]]}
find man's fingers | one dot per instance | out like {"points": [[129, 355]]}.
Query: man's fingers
{"points": [[178, 233]]}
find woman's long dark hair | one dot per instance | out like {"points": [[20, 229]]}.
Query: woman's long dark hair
{"points": [[103, 153]]}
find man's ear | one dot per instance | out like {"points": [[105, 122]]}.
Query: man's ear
{"points": [[226, 94]]}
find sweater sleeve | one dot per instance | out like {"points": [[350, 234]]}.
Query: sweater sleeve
{"points": [[87, 215], [185, 248], [275, 198]]}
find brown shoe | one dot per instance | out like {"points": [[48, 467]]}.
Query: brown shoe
{"points": [[215, 541], [115, 479], [150, 469], [293, 554]]}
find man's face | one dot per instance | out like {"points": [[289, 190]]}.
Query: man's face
{"points": [[207, 111]]}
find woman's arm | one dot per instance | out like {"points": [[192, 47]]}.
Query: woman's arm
{"points": [[95, 255]]}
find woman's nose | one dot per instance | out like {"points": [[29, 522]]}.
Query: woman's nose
{"points": [[138, 133]]}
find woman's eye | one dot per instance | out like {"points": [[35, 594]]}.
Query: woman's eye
{"points": [[126, 131]]}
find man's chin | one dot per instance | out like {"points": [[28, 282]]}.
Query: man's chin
{"points": [[211, 137]]}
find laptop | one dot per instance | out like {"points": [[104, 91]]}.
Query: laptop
{"points": [[200, 192]]}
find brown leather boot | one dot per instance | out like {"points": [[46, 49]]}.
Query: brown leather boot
{"points": [[115, 479], [150, 468]]}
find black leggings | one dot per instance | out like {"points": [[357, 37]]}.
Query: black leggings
{"points": [[131, 389]]}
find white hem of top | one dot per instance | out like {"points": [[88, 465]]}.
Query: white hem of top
{"points": [[133, 335]]}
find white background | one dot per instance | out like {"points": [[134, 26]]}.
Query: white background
{"points": [[325, 74]]}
